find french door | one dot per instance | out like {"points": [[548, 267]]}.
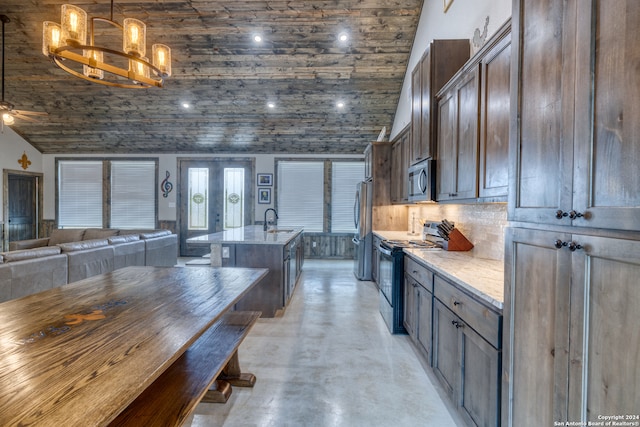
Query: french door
{"points": [[215, 195]]}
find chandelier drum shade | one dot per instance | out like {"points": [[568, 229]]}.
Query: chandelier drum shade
{"points": [[67, 46]]}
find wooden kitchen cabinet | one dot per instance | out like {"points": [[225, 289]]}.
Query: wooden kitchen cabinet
{"points": [[573, 162], [575, 127], [467, 353], [495, 93], [458, 115], [441, 60], [570, 315], [418, 305], [399, 167], [473, 126]]}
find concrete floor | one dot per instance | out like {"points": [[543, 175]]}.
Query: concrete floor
{"points": [[330, 361]]}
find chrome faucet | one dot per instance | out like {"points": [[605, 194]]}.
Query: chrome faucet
{"points": [[274, 222]]}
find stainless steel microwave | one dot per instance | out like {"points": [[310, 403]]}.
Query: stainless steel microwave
{"points": [[421, 181]]}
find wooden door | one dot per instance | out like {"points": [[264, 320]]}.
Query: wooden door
{"points": [[409, 304], [466, 167], [422, 146], [416, 110], [424, 303], [493, 177], [447, 145], [606, 180], [605, 343], [536, 324], [446, 348], [215, 195], [479, 398], [22, 222], [541, 126], [397, 172]]}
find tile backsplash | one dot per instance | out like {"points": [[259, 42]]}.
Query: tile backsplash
{"points": [[483, 224]]}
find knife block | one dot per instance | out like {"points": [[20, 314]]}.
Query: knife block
{"points": [[457, 242]]}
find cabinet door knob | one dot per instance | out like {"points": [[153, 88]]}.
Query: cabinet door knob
{"points": [[573, 246], [574, 215], [559, 243], [457, 324], [561, 214], [457, 303]]}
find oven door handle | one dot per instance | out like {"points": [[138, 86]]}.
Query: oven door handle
{"points": [[384, 251]]}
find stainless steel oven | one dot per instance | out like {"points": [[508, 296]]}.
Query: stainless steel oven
{"points": [[391, 280]]}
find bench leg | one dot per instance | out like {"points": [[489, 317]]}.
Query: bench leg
{"points": [[231, 375]]}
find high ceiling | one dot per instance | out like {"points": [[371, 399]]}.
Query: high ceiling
{"points": [[225, 76]]}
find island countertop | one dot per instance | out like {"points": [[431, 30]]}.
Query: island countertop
{"points": [[251, 234]]}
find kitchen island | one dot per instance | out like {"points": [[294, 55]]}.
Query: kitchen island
{"points": [[281, 250]]}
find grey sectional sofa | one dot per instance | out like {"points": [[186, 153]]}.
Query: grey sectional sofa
{"points": [[70, 255]]}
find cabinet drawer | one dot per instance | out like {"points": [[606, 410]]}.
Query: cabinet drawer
{"points": [[481, 318], [422, 275]]}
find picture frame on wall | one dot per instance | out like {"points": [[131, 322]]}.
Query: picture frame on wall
{"points": [[447, 5], [264, 196], [265, 179]]}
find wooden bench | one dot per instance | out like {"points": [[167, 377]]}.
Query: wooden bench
{"points": [[206, 371]]}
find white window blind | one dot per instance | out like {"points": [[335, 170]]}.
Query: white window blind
{"points": [[79, 194], [133, 194], [301, 195], [344, 178]]}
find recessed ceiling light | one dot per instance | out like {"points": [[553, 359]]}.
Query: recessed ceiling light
{"points": [[340, 104], [271, 105], [343, 37], [186, 105], [257, 38]]}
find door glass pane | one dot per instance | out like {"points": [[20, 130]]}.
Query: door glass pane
{"points": [[233, 198], [198, 206]]}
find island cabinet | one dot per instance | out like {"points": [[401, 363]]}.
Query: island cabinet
{"points": [[418, 287], [441, 60], [467, 352], [473, 125], [573, 260]]}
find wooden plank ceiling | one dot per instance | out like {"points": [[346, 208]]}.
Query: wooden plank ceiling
{"points": [[226, 77]]}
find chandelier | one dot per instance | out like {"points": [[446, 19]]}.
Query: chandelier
{"points": [[66, 45]]}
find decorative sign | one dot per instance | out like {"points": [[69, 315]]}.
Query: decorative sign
{"points": [[24, 161], [166, 186], [233, 198]]}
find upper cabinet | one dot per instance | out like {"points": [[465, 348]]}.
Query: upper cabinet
{"points": [[439, 63], [473, 126], [399, 166], [576, 76]]}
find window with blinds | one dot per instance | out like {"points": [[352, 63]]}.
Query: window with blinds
{"points": [[344, 178], [133, 194], [79, 194], [301, 195]]}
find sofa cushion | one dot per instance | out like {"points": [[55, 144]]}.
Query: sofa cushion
{"points": [[83, 245], [99, 233], [66, 235], [23, 254], [116, 240], [28, 244], [154, 233]]}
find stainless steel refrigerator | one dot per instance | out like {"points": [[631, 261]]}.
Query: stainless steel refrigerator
{"points": [[363, 239]]}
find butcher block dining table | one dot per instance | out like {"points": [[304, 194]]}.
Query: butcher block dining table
{"points": [[80, 354]]}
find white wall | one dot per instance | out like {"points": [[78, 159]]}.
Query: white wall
{"points": [[12, 147], [460, 22]]}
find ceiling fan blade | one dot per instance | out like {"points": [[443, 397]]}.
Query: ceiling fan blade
{"points": [[30, 113], [23, 117]]}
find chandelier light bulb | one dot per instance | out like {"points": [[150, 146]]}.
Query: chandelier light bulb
{"points": [[8, 119], [134, 40], [74, 25], [51, 37]]}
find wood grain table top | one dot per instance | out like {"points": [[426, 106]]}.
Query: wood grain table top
{"points": [[81, 353]]}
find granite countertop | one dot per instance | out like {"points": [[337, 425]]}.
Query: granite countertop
{"points": [[251, 234], [481, 277]]}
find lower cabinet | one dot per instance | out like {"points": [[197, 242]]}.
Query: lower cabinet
{"points": [[460, 337]]}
